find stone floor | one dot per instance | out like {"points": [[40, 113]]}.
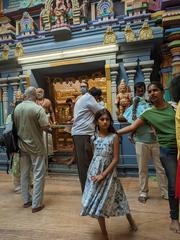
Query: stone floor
{"points": [[60, 219]]}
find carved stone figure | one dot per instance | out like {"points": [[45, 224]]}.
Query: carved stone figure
{"points": [[18, 51], [145, 32], [76, 12], [123, 99], [84, 10], [45, 19], [19, 96], [110, 36], [5, 52], [69, 12], [27, 25], [60, 12], [46, 104], [129, 34], [30, 3], [104, 8]]}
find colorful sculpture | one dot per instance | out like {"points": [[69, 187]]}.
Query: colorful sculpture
{"points": [[60, 13], [129, 34], [30, 3], [18, 51], [123, 99], [145, 32], [69, 12], [27, 25], [110, 36], [84, 10], [5, 52], [105, 8]]}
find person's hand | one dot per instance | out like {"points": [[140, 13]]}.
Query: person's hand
{"points": [[119, 133], [97, 178]]}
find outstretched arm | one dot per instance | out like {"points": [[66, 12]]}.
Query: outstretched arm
{"points": [[112, 165], [136, 124]]}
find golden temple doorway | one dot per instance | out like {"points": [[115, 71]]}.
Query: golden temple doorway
{"points": [[61, 90]]}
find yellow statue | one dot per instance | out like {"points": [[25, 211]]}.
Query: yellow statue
{"points": [[110, 36], [18, 51], [5, 52], [145, 32], [123, 99], [19, 96], [129, 34]]}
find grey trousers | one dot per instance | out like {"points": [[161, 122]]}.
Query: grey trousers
{"points": [[37, 164], [84, 155]]}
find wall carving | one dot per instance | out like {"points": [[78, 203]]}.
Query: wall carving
{"points": [[63, 88]]}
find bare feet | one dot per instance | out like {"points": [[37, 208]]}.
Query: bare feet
{"points": [[175, 226], [142, 199], [132, 223]]}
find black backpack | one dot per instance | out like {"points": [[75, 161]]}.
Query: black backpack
{"points": [[10, 139]]}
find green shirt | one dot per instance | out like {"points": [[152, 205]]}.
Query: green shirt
{"points": [[163, 120], [145, 134], [29, 118]]}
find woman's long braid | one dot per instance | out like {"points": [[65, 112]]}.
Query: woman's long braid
{"points": [[134, 108]]}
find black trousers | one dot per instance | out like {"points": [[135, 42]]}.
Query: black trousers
{"points": [[84, 155]]}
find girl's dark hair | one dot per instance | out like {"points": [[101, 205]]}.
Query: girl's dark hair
{"points": [[175, 88], [101, 112], [157, 84], [139, 84]]}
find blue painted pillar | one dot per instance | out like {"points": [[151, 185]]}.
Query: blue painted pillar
{"points": [[10, 97], [1, 107], [5, 4]]}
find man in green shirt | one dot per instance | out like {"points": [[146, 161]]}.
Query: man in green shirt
{"points": [[146, 145], [162, 117], [30, 121]]}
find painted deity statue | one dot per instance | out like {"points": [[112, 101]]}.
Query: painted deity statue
{"points": [[123, 99], [84, 10], [19, 96], [105, 8], [60, 12], [110, 36], [46, 104], [129, 34], [27, 25], [145, 32], [69, 12], [18, 51], [5, 52]]}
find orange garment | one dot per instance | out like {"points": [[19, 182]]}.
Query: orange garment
{"points": [[178, 145]]}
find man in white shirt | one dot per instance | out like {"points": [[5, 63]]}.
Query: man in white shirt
{"points": [[83, 128]]}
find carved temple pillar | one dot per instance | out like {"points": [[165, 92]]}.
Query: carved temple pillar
{"points": [[175, 51], [15, 88], [111, 78], [5, 100], [131, 71]]}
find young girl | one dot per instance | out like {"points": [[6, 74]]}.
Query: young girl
{"points": [[103, 195]]}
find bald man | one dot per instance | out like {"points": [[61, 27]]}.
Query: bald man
{"points": [[46, 104]]}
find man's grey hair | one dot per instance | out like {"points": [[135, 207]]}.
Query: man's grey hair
{"points": [[30, 93]]}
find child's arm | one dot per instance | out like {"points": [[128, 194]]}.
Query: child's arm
{"points": [[112, 165]]}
